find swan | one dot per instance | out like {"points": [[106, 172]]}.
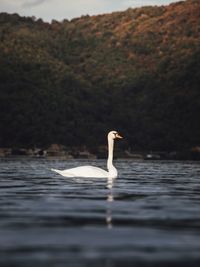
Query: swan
{"points": [[95, 172]]}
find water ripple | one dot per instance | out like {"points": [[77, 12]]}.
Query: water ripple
{"points": [[150, 213]]}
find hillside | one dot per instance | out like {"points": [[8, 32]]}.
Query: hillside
{"points": [[69, 82]]}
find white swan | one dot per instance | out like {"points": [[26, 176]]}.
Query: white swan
{"points": [[95, 172]]}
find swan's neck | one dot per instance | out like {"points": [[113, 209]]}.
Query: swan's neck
{"points": [[110, 154], [112, 171]]}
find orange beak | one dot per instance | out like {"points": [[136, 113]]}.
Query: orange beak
{"points": [[119, 136]]}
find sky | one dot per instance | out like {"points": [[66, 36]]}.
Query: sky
{"points": [[68, 9]]}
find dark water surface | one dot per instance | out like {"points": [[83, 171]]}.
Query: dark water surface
{"points": [[149, 216]]}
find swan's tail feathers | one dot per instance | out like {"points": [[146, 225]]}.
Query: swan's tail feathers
{"points": [[63, 173], [55, 170]]}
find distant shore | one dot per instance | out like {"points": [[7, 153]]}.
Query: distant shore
{"points": [[62, 152]]}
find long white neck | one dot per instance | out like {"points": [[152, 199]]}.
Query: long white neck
{"points": [[110, 154]]}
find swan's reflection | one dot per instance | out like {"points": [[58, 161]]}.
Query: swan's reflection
{"points": [[110, 199]]}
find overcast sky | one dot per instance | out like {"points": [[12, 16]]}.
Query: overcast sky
{"points": [[68, 9]]}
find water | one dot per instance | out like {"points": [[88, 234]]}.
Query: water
{"points": [[149, 216]]}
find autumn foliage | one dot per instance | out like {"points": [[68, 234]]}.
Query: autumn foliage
{"points": [[68, 82]]}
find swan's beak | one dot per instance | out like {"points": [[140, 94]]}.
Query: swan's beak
{"points": [[118, 136]]}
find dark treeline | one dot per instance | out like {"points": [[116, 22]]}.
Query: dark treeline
{"points": [[70, 82]]}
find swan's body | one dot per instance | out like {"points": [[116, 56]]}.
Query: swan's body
{"points": [[83, 171], [95, 172]]}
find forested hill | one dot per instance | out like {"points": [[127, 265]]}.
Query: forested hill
{"points": [[68, 82]]}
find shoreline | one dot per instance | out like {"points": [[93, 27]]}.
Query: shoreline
{"points": [[60, 152]]}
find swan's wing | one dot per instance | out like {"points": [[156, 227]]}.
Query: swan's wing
{"points": [[84, 171]]}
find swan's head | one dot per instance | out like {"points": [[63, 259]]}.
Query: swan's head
{"points": [[114, 135]]}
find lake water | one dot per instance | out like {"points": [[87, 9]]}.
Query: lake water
{"points": [[148, 216]]}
